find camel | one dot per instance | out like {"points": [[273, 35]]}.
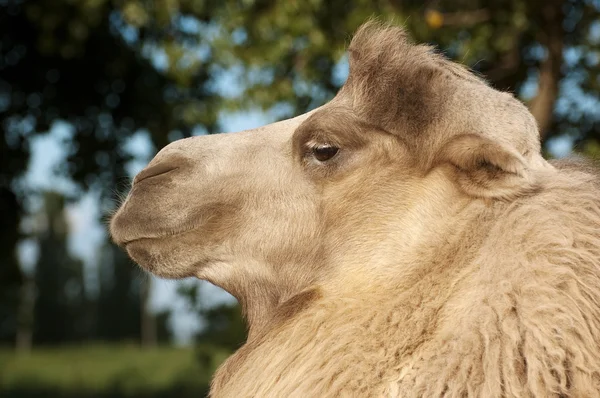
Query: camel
{"points": [[406, 239]]}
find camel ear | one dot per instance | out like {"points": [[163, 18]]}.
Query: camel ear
{"points": [[486, 169]]}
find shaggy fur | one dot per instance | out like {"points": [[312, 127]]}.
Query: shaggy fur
{"points": [[520, 318], [437, 254]]}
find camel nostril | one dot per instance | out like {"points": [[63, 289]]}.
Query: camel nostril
{"points": [[154, 171]]}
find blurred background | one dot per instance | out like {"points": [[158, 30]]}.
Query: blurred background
{"points": [[91, 89]]}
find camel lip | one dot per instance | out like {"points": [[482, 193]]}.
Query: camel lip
{"points": [[165, 235], [128, 242]]}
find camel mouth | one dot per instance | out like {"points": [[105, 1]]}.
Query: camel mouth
{"points": [[128, 242], [144, 240], [155, 238]]}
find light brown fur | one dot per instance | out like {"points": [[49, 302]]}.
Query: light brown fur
{"points": [[436, 254]]}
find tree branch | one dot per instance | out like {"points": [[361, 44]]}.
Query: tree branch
{"points": [[461, 19], [466, 18]]}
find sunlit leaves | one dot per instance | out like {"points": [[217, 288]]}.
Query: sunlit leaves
{"points": [[135, 14]]}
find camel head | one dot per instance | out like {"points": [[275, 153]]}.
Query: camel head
{"points": [[344, 190]]}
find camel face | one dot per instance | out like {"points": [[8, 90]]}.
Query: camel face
{"points": [[230, 206]]}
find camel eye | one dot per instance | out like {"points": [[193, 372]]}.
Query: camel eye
{"points": [[324, 152]]}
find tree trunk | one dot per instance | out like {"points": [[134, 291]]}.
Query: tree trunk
{"points": [[148, 319], [551, 36], [24, 335]]}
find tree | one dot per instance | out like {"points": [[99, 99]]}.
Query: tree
{"points": [[11, 277], [60, 297], [122, 307], [225, 327], [119, 305], [88, 64]]}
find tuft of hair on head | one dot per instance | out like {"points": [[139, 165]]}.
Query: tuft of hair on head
{"points": [[445, 114], [392, 82]]}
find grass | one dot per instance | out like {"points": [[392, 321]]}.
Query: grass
{"points": [[108, 371]]}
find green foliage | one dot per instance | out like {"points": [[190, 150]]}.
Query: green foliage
{"points": [[106, 371], [82, 62], [225, 327], [295, 46], [592, 150]]}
